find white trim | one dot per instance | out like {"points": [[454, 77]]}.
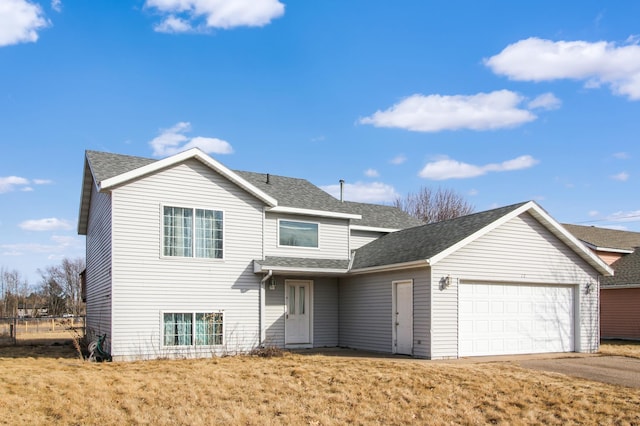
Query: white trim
{"points": [[607, 249], [193, 313], [373, 229], [396, 266], [193, 153], [309, 212], [548, 222], [291, 269], [193, 257]]}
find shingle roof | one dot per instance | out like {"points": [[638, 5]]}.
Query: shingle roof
{"points": [[627, 271], [424, 242], [290, 192], [105, 165], [605, 238]]}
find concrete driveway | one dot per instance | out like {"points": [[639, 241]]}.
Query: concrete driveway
{"points": [[617, 370]]}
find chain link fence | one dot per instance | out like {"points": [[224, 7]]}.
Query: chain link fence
{"points": [[40, 331]]}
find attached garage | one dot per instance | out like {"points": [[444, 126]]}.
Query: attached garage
{"points": [[505, 281], [500, 319]]}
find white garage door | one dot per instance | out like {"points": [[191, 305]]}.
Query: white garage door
{"points": [[502, 319]]}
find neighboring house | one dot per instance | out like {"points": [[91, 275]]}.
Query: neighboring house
{"points": [[619, 294], [186, 257]]}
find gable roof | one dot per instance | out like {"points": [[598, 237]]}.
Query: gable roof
{"points": [[280, 194], [627, 271], [427, 244], [604, 239]]}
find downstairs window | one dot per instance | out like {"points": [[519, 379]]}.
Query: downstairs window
{"points": [[192, 329]]}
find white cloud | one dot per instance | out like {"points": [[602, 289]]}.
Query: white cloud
{"points": [[374, 192], [622, 176], [56, 5], [20, 21], [446, 168], [620, 216], [434, 113], [59, 245], [593, 213], [47, 224], [172, 140], [473, 192], [42, 181], [621, 155], [371, 173], [546, 101], [398, 159], [172, 24], [10, 183], [595, 63], [202, 15]]}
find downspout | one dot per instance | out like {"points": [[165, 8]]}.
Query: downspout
{"points": [[262, 306]]}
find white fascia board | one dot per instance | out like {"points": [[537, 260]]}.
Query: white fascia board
{"points": [[291, 269], [548, 222], [573, 242], [607, 249], [397, 266], [372, 229], [194, 153], [309, 212]]}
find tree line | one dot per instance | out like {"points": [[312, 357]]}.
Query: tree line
{"points": [[58, 293]]}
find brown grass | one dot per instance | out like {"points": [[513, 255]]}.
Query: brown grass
{"points": [[620, 347], [49, 385]]}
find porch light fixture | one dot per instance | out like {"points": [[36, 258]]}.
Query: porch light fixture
{"points": [[272, 283], [445, 282], [588, 289]]}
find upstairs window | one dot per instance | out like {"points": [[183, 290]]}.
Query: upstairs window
{"points": [[191, 232], [298, 234]]}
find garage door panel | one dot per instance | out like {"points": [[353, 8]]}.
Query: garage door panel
{"points": [[496, 319]]}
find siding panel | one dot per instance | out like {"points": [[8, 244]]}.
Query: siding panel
{"points": [[98, 278], [366, 311]]}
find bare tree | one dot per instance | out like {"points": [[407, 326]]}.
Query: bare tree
{"points": [[62, 287], [430, 205], [14, 291]]}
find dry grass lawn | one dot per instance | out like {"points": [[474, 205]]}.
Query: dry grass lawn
{"points": [[50, 385]]}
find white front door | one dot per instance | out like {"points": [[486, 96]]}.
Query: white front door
{"points": [[298, 315], [403, 317]]}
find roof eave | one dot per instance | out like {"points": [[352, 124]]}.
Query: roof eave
{"points": [[193, 153], [311, 212], [394, 267], [373, 229]]}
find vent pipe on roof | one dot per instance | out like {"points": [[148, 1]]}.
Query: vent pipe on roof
{"points": [[341, 190], [268, 178]]}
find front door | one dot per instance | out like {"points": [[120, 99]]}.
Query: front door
{"points": [[403, 317], [298, 315]]}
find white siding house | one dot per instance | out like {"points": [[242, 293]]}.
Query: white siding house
{"points": [[186, 258]]}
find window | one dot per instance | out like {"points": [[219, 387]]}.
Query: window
{"points": [[191, 232], [298, 234], [188, 329]]}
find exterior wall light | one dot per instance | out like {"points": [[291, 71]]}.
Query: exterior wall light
{"points": [[272, 283]]}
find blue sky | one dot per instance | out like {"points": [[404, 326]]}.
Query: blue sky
{"points": [[500, 101]]}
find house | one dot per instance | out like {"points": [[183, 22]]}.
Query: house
{"points": [[619, 294], [186, 257]]}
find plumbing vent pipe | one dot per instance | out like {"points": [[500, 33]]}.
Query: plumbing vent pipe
{"points": [[341, 190]]}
